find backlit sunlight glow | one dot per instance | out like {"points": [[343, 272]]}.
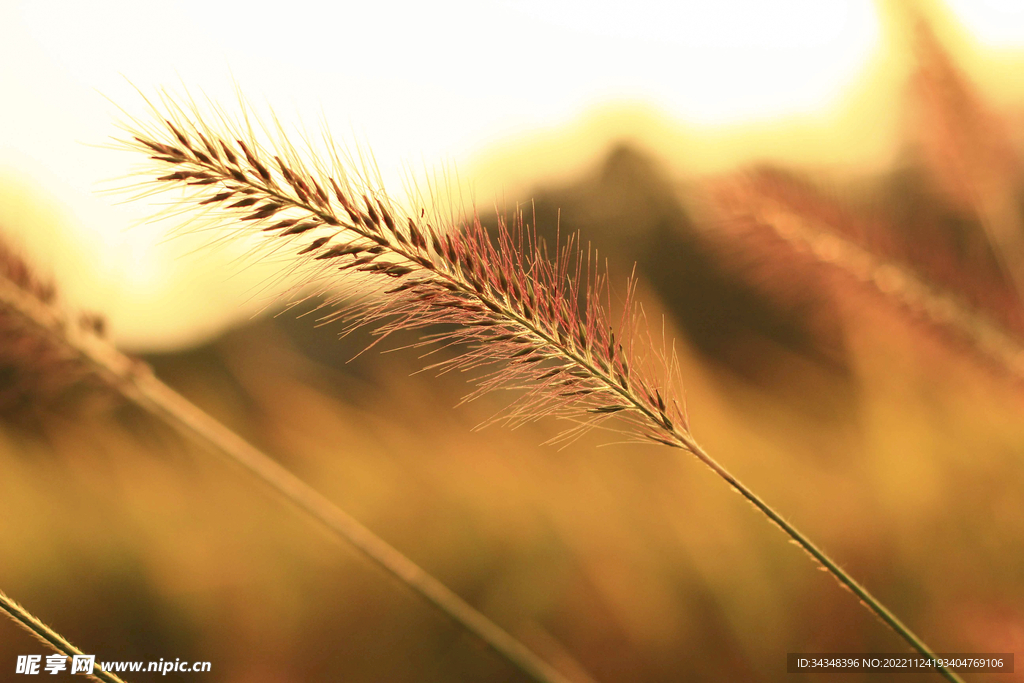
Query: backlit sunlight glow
{"points": [[717, 63], [421, 84], [996, 23]]}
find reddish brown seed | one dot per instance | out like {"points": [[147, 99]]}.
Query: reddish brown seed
{"points": [[209, 148], [178, 134], [281, 224], [370, 210], [368, 222], [232, 159], [337, 191], [264, 173], [255, 163], [416, 235], [517, 293], [300, 187], [159, 147], [581, 392], [347, 205], [242, 203], [340, 250], [285, 171], [183, 175], [408, 284], [219, 197], [263, 212], [388, 220], [362, 260], [300, 228], [315, 244], [245, 150], [319, 192]]}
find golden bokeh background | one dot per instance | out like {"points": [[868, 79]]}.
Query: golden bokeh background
{"points": [[896, 448]]}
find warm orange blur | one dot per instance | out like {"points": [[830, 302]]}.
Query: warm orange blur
{"points": [[875, 417], [704, 86]]}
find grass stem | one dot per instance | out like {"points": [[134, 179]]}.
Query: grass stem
{"points": [[48, 636], [869, 601], [136, 382]]}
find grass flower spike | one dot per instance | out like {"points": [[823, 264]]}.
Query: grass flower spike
{"points": [[40, 377], [513, 313]]}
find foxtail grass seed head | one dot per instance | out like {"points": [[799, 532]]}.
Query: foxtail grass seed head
{"points": [[520, 320], [749, 204], [41, 376]]}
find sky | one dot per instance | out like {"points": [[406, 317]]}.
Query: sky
{"points": [[492, 89]]}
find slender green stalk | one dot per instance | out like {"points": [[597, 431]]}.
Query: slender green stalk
{"points": [[683, 439], [166, 402], [870, 601], [48, 636], [136, 382]]}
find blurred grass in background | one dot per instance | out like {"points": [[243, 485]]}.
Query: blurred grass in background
{"points": [[896, 450]]}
